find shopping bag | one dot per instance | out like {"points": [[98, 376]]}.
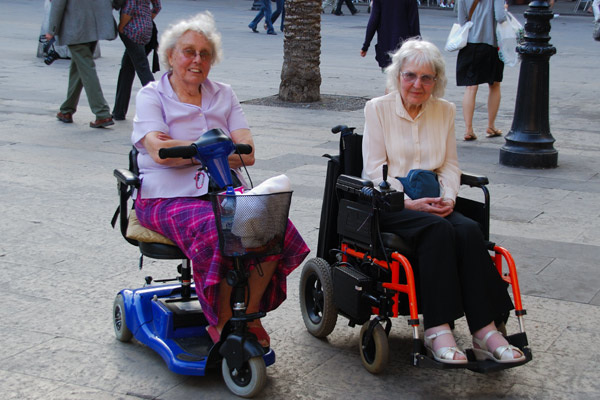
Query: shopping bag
{"points": [[517, 27], [596, 33], [507, 43], [457, 39]]}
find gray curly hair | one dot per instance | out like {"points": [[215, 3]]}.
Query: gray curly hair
{"points": [[204, 24], [422, 53]]}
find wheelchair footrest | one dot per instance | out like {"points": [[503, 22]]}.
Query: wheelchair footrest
{"points": [[421, 359]]}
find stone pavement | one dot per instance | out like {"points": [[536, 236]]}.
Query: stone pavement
{"points": [[62, 264]]}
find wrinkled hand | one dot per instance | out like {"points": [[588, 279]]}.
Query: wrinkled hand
{"points": [[433, 205]]}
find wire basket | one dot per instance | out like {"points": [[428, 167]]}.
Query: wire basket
{"points": [[251, 225]]}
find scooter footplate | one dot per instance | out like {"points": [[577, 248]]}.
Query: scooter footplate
{"points": [[195, 348]]}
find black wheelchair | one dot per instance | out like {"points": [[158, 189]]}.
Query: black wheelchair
{"points": [[361, 271]]}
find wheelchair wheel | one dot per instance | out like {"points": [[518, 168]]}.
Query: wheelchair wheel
{"points": [[122, 332], [374, 353], [249, 380], [316, 298]]}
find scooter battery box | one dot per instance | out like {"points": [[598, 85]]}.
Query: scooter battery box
{"points": [[349, 285]]}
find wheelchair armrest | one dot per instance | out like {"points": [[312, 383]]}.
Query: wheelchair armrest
{"points": [[127, 177], [473, 180], [352, 184]]}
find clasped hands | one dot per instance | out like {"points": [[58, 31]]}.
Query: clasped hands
{"points": [[434, 205]]}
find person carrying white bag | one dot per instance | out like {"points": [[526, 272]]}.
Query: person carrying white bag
{"points": [[478, 62]]}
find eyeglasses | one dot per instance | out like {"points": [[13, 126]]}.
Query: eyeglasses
{"points": [[411, 77], [191, 54]]}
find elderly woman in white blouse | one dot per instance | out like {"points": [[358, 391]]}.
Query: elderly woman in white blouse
{"points": [[412, 128]]}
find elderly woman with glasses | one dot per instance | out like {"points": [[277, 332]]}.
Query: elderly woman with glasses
{"points": [[412, 128], [175, 111]]}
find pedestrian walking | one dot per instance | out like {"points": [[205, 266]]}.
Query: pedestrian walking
{"points": [[338, 10], [478, 62], [394, 22], [280, 10], [79, 25], [139, 35], [265, 12]]}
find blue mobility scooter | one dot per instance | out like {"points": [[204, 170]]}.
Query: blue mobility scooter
{"points": [[361, 271], [167, 316]]}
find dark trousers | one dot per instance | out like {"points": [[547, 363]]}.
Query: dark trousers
{"points": [[82, 75], [349, 4], [454, 271], [135, 60]]}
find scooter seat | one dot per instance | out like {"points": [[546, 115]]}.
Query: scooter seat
{"points": [[161, 251]]}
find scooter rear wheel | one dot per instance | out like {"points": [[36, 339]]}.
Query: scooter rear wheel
{"points": [[122, 332], [249, 380], [316, 298]]}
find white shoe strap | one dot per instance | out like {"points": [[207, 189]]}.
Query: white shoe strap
{"points": [[439, 333], [483, 342]]}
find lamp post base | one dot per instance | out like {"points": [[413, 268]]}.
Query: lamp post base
{"points": [[534, 159]]}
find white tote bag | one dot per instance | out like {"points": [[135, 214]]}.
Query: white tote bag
{"points": [[457, 39]]}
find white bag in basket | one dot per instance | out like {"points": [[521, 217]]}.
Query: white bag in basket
{"points": [[457, 39], [507, 43], [250, 224]]}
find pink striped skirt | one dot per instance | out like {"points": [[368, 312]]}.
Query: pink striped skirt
{"points": [[189, 222]]}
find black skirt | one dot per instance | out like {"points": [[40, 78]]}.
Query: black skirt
{"points": [[478, 63]]}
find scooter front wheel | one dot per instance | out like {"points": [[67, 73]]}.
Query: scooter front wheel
{"points": [[249, 380]]}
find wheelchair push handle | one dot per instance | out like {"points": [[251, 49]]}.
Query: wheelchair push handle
{"points": [[343, 129], [191, 150]]}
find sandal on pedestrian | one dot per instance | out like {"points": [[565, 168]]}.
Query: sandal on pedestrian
{"points": [[469, 136], [501, 354], [444, 354], [493, 132]]}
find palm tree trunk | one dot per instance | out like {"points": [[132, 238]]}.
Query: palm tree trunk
{"points": [[300, 74]]}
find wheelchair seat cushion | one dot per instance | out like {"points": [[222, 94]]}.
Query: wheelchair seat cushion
{"points": [[136, 231]]}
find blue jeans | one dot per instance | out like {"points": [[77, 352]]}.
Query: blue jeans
{"points": [[279, 10], [266, 12]]}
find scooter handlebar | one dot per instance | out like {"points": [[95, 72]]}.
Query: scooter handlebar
{"points": [[178, 152], [191, 151], [242, 148]]}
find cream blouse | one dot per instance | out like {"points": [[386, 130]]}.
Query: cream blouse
{"points": [[427, 142]]}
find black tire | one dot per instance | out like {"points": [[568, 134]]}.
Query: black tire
{"points": [[122, 332], [316, 298], [375, 353], [247, 382]]}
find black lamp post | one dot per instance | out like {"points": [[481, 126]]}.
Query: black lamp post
{"points": [[529, 143]]}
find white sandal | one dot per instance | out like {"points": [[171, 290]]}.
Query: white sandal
{"points": [[444, 354], [502, 354]]}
